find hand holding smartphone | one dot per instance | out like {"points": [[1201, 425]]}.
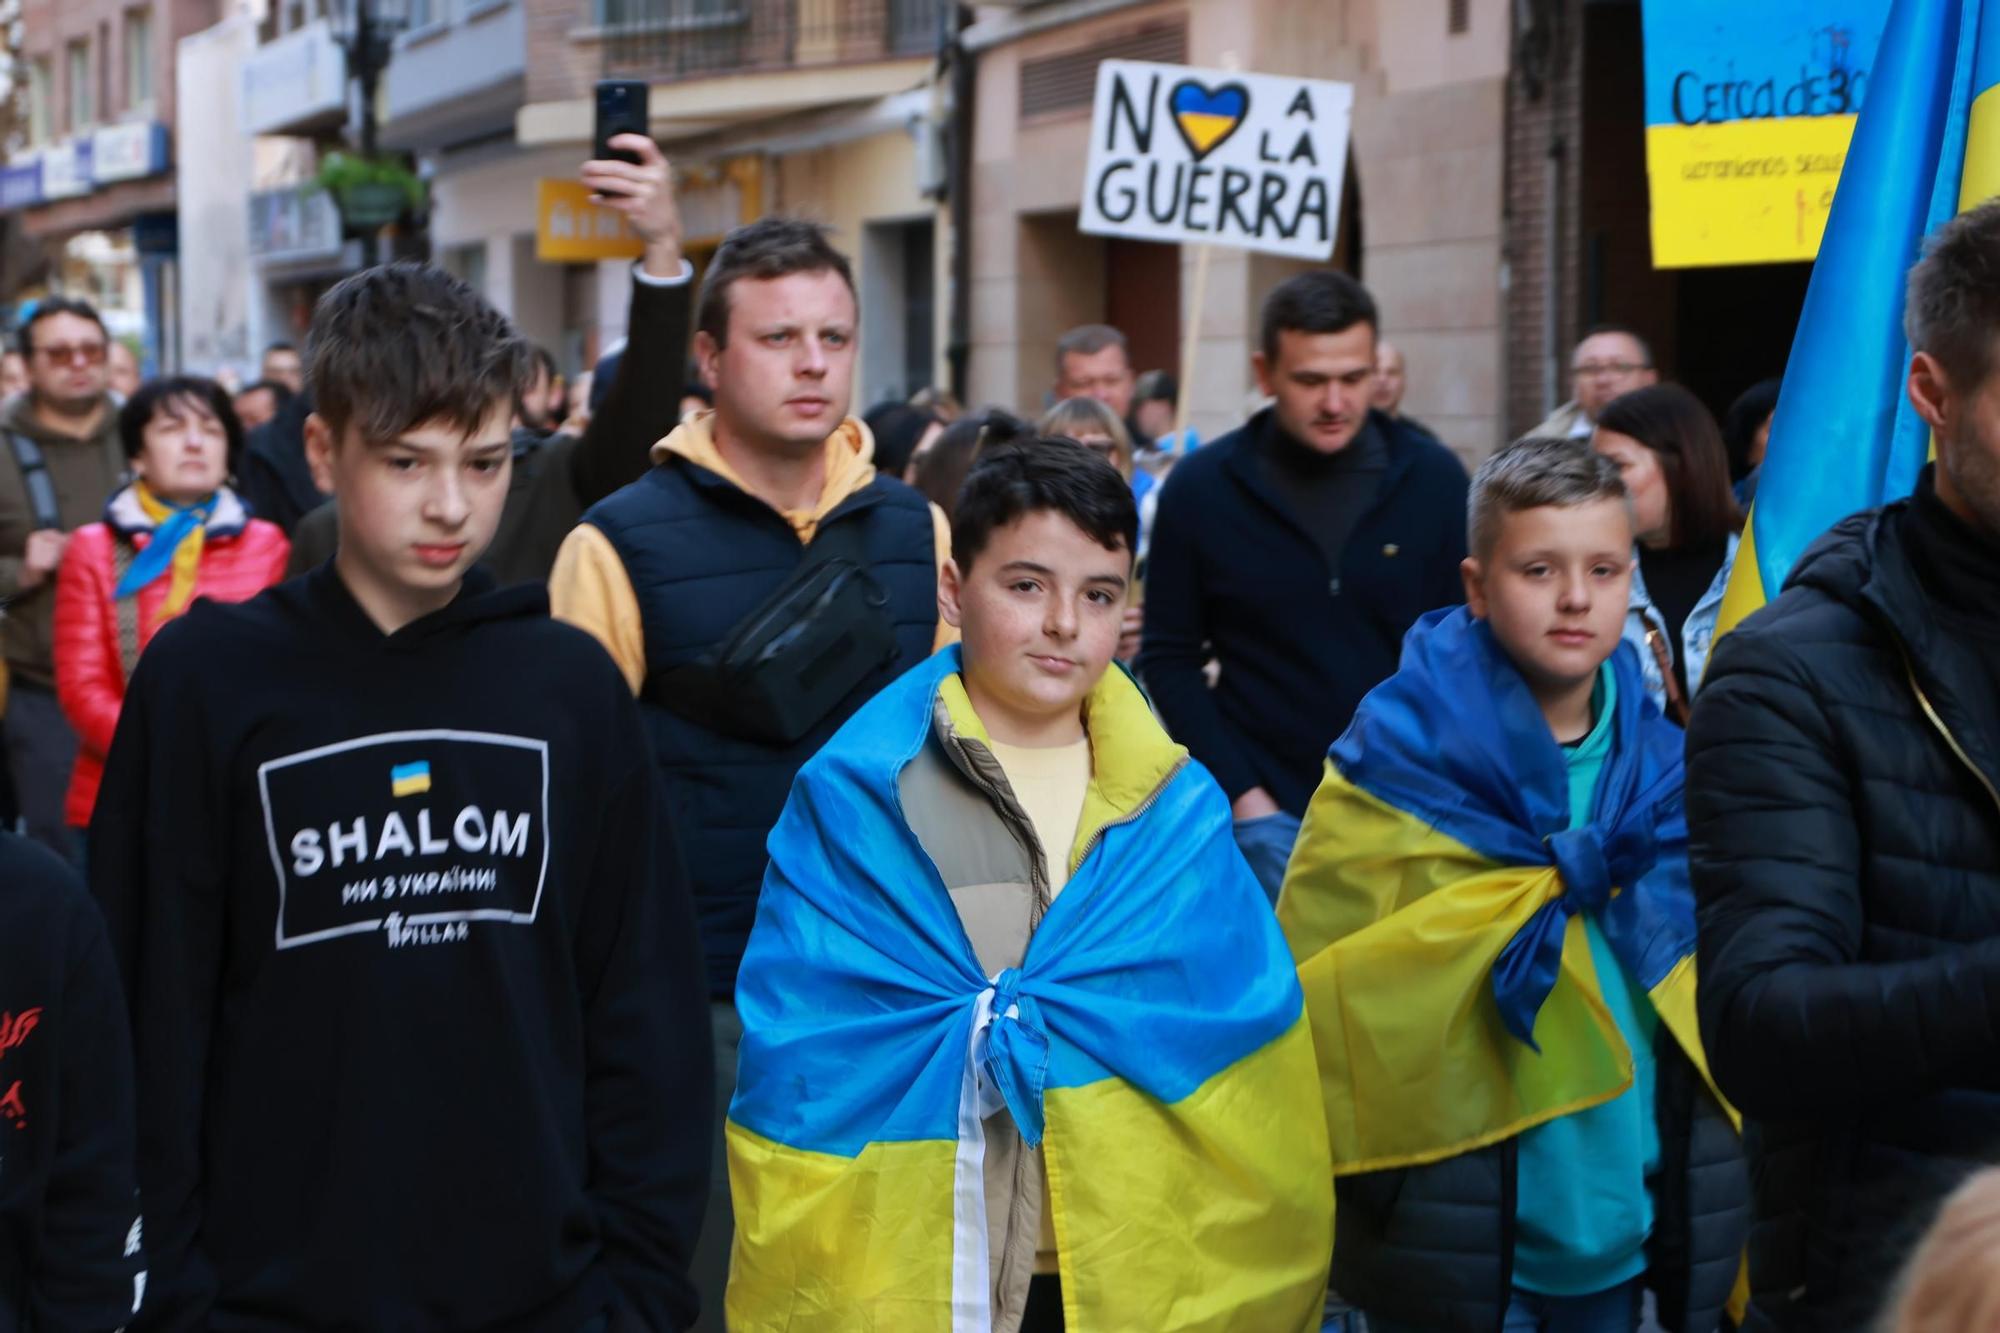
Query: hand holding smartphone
{"points": [[634, 179], [621, 109]]}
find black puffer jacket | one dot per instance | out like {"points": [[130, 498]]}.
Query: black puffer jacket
{"points": [[1432, 1247], [1844, 809]]}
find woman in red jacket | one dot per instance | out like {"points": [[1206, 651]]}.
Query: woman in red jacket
{"points": [[175, 534]]}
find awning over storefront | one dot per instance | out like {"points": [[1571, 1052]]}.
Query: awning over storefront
{"points": [[697, 106]]}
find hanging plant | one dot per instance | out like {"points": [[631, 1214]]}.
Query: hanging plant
{"points": [[371, 192]]}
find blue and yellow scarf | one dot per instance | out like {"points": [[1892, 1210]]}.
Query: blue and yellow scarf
{"points": [[1153, 1042], [1433, 905], [179, 532]]}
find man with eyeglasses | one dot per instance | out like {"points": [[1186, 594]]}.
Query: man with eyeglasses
{"points": [[60, 459], [1611, 360]]}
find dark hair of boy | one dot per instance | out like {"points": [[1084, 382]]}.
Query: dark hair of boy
{"points": [[51, 306], [1322, 301], [694, 389], [1739, 425], [280, 346], [765, 249], [1537, 472], [170, 393], [1020, 473], [395, 347], [1672, 422]]}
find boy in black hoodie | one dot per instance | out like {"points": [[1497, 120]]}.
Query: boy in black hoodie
{"points": [[69, 1234], [421, 1039]]}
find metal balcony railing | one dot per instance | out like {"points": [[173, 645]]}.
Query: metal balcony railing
{"points": [[662, 40]]}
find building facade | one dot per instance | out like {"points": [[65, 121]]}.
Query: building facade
{"points": [[295, 100], [819, 108], [95, 185], [1578, 247], [1422, 204], [1495, 199]]}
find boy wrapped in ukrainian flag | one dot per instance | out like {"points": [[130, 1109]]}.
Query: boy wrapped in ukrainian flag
{"points": [[1490, 909], [1023, 1047]]}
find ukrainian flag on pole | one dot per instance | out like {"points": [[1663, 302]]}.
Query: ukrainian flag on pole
{"points": [[1926, 146]]}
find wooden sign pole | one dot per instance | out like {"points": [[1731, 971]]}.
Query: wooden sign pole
{"points": [[1189, 336]]}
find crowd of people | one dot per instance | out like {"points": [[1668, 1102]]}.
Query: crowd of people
{"points": [[671, 853]]}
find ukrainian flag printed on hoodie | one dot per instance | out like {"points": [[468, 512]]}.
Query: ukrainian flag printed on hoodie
{"points": [[1435, 901], [1153, 1042]]}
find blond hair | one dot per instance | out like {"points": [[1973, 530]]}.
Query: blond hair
{"points": [[1952, 1283], [1075, 418]]}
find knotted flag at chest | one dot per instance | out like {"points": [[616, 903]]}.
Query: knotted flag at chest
{"points": [[1435, 906], [1153, 1042]]}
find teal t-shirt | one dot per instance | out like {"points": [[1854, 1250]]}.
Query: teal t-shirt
{"points": [[1584, 1209]]}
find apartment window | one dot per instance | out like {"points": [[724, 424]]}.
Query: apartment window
{"points": [[138, 57], [1459, 16], [77, 81], [422, 14], [672, 15], [40, 102]]}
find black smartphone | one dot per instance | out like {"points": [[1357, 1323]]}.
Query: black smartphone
{"points": [[621, 109]]}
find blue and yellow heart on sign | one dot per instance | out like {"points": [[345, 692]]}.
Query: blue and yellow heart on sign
{"points": [[1207, 116]]}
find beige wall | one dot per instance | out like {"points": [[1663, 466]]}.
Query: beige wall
{"points": [[849, 184], [495, 198], [1430, 149], [1418, 52]]}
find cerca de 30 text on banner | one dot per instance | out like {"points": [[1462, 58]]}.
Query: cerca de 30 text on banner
{"points": [[1205, 155], [1749, 109]]}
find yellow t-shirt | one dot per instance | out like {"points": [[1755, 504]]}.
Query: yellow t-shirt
{"points": [[1050, 784]]}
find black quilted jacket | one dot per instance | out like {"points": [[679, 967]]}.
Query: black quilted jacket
{"points": [[1432, 1247], [1844, 804]]}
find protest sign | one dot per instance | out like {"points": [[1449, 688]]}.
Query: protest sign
{"points": [[1749, 109], [1210, 156]]}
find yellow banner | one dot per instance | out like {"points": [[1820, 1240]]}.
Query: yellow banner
{"points": [[1745, 191], [569, 229]]}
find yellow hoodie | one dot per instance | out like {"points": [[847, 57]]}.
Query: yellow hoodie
{"points": [[590, 589]]}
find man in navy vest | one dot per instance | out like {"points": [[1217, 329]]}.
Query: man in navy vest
{"points": [[1296, 552], [665, 570]]}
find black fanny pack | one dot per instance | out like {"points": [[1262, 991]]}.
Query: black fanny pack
{"points": [[788, 664]]}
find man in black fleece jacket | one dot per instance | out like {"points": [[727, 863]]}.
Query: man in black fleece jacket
{"points": [[69, 1233], [556, 475], [1296, 552], [420, 1030]]}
